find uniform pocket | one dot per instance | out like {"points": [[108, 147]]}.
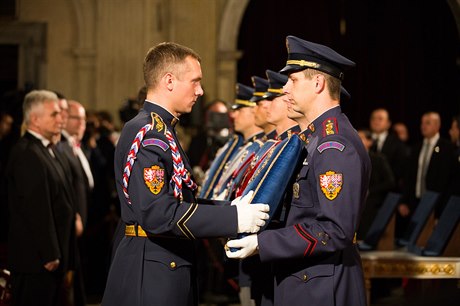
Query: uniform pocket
{"points": [[313, 286], [169, 259], [167, 279], [310, 273], [302, 193]]}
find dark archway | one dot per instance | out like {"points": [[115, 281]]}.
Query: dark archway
{"points": [[407, 53]]}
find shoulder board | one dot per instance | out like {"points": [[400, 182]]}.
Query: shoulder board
{"points": [[330, 126], [157, 123]]}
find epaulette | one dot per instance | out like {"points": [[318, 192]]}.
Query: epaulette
{"points": [[158, 123], [330, 126]]}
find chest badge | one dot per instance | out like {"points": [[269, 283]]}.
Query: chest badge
{"points": [[154, 178], [331, 184], [295, 190]]}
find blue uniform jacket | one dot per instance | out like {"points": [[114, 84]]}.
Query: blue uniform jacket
{"points": [[315, 259], [159, 269]]}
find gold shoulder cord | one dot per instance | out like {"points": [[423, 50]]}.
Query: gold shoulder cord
{"points": [[157, 122]]}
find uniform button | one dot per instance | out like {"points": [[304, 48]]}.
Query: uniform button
{"points": [[305, 277], [172, 265]]}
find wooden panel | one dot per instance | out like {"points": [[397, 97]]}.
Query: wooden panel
{"points": [[453, 247]]}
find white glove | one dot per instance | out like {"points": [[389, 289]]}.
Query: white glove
{"points": [[246, 198], [251, 217], [247, 246]]}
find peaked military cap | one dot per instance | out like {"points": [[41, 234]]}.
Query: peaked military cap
{"points": [[276, 82], [304, 54], [260, 87], [243, 96]]}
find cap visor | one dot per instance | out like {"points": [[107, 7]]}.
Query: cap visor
{"points": [[256, 99], [270, 95], [237, 106], [291, 68]]}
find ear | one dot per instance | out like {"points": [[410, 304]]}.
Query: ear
{"points": [[320, 83], [33, 117], [168, 80]]}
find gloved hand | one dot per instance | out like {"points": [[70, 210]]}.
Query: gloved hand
{"points": [[247, 246], [246, 198], [251, 217]]}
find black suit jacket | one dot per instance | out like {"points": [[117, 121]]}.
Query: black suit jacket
{"points": [[78, 178], [381, 182], [396, 152], [439, 176], [42, 215]]}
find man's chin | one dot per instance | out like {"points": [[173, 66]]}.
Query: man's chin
{"points": [[184, 111], [292, 114]]}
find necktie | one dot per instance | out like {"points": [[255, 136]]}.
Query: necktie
{"points": [[50, 147], [379, 143], [424, 167]]}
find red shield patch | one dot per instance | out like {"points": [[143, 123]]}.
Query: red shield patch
{"points": [[154, 178], [331, 184]]}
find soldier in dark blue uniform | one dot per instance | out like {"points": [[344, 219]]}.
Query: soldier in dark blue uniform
{"points": [[155, 261], [244, 117], [231, 148], [315, 257], [262, 105], [243, 114], [277, 111], [253, 273]]}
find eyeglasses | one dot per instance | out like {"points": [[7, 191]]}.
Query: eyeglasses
{"points": [[77, 118]]}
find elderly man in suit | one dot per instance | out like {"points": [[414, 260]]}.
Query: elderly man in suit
{"points": [[42, 212], [73, 131], [431, 167]]}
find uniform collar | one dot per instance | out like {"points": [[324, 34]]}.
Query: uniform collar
{"points": [[318, 124], [253, 138], [271, 135], [306, 134], [288, 133], [332, 112], [165, 114]]}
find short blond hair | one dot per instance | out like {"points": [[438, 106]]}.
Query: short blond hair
{"points": [[333, 83], [164, 58]]}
